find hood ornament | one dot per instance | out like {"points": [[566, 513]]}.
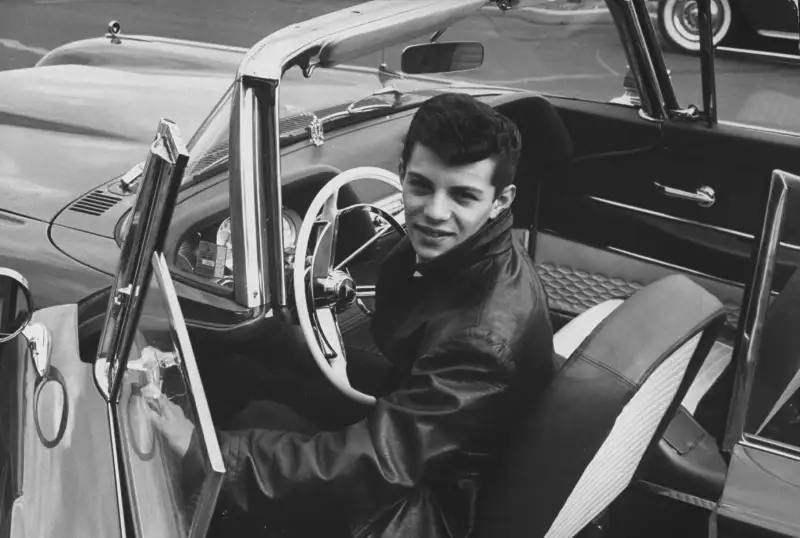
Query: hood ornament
{"points": [[114, 29]]}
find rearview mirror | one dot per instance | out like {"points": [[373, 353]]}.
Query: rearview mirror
{"points": [[16, 304], [445, 57]]}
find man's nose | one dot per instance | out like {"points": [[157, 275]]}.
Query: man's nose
{"points": [[437, 207]]}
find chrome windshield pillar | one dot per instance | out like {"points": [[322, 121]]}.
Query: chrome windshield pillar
{"points": [[248, 199], [641, 63]]}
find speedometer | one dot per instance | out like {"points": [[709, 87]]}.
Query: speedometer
{"points": [[225, 238]]}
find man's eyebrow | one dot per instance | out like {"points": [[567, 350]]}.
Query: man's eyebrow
{"points": [[467, 190], [417, 175]]}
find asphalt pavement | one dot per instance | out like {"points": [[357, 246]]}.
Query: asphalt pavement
{"points": [[579, 57]]}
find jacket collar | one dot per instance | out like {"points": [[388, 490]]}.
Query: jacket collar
{"points": [[492, 239]]}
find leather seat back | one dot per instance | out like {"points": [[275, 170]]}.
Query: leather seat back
{"points": [[582, 442]]}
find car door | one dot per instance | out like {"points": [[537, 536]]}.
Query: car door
{"points": [[762, 487], [645, 196], [145, 360]]}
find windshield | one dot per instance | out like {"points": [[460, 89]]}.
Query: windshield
{"points": [[328, 91]]}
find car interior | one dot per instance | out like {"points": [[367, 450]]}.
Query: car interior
{"points": [[586, 286]]}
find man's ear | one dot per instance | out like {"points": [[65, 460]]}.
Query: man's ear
{"points": [[401, 171], [503, 201]]}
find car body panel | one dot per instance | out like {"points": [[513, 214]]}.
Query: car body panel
{"points": [[55, 277], [65, 483], [770, 15]]}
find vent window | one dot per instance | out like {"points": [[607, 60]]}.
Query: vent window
{"points": [[95, 203]]}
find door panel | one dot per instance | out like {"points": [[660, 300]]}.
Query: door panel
{"points": [[609, 199]]}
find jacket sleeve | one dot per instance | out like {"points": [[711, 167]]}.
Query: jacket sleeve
{"points": [[450, 402]]}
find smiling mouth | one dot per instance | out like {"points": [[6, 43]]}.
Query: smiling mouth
{"points": [[432, 232]]}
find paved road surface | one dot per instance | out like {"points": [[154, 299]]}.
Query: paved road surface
{"points": [[577, 60]]}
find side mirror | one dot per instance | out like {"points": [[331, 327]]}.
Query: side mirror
{"points": [[16, 304], [445, 57]]}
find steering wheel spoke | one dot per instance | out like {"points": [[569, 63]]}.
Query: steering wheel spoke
{"points": [[328, 334]]}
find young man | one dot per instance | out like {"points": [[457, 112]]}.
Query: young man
{"points": [[461, 316]]}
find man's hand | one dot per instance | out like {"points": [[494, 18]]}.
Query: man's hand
{"points": [[173, 424]]}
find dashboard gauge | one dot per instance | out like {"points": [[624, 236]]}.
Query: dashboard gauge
{"points": [[290, 219], [225, 239]]}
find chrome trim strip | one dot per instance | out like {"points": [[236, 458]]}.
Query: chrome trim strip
{"points": [[757, 300], [248, 205], [779, 35], [677, 495], [116, 460], [152, 212], [269, 176], [772, 447], [758, 128], [648, 60], [673, 266], [761, 54], [631, 35], [682, 220]]}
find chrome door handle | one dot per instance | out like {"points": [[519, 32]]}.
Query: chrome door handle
{"points": [[703, 196]]}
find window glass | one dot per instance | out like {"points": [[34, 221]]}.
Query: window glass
{"points": [[169, 496], [757, 63]]}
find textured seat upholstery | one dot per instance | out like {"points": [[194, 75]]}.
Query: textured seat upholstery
{"points": [[582, 442]]}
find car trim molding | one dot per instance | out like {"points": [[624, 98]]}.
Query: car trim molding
{"points": [[677, 495], [650, 212]]}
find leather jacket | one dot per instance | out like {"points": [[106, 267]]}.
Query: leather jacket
{"points": [[470, 344]]}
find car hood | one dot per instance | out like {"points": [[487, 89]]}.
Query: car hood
{"points": [[65, 129]]}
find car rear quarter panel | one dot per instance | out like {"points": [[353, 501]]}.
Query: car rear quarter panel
{"points": [[51, 485]]}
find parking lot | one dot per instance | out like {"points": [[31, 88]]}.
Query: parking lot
{"points": [[578, 58]]}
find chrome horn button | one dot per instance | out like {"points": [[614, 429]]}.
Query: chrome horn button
{"points": [[337, 290]]}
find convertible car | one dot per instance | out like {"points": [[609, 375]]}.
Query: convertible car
{"points": [[242, 262]]}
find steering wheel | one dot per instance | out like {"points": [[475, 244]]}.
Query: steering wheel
{"points": [[322, 290]]}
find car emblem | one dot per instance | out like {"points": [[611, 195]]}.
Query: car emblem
{"points": [[317, 131]]}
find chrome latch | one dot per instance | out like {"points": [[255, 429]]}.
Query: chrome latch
{"points": [[40, 344]]}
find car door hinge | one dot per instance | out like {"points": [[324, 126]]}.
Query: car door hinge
{"points": [[121, 299]]}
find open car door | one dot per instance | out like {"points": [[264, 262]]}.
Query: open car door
{"points": [[762, 487], [145, 358]]}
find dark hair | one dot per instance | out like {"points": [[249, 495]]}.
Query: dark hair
{"points": [[460, 129]]}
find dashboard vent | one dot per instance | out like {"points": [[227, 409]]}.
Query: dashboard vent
{"points": [[95, 203]]}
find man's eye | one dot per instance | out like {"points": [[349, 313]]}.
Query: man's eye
{"points": [[418, 185], [467, 196]]}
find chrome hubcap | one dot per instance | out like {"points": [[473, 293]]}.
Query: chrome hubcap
{"points": [[686, 18]]}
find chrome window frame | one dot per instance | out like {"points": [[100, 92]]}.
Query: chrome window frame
{"points": [[754, 308]]}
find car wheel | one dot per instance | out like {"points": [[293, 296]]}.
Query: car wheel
{"points": [[679, 23]]}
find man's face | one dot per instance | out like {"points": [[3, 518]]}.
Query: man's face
{"points": [[445, 205]]}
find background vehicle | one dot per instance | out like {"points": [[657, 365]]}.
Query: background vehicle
{"points": [[732, 21]]}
